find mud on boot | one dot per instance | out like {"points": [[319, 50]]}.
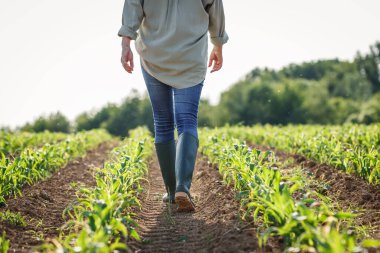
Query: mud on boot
{"points": [[184, 202]]}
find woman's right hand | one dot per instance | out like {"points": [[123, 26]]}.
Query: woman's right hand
{"points": [[127, 55]]}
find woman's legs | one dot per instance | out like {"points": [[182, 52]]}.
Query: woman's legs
{"points": [[177, 161]]}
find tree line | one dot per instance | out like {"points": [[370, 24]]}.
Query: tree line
{"points": [[329, 91]]}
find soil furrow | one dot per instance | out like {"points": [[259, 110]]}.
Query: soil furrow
{"points": [[348, 191], [214, 227], [43, 203]]}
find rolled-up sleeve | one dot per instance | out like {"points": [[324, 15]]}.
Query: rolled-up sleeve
{"points": [[131, 19], [217, 31]]}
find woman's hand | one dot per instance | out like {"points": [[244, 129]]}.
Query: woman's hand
{"points": [[127, 55], [216, 58]]}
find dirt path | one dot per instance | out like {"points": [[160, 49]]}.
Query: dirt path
{"points": [[214, 227], [347, 190], [43, 203]]}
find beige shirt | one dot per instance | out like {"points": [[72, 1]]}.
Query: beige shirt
{"points": [[171, 36]]}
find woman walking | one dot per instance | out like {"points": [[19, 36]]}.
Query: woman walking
{"points": [[172, 41]]}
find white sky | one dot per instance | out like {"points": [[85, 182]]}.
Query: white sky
{"points": [[65, 55]]}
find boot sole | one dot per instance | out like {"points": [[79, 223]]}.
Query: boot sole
{"points": [[184, 203]]}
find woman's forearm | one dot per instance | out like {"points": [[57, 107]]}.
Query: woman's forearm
{"points": [[217, 23]]}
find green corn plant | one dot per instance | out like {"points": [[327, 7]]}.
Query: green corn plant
{"points": [[4, 244], [307, 224], [102, 216], [351, 148], [13, 219], [34, 165], [12, 143]]}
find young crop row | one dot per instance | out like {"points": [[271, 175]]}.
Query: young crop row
{"points": [[308, 223], [11, 143], [351, 148], [33, 165], [102, 217], [4, 243]]}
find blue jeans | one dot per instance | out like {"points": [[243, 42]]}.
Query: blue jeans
{"points": [[183, 113]]}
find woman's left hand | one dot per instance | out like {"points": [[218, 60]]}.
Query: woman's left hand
{"points": [[127, 55], [216, 58]]}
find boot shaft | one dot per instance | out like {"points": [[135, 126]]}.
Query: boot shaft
{"points": [[166, 154], [186, 154]]}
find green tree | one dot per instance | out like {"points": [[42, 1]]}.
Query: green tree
{"points": [[54, 122], [134, 111], [369, 66], [314, 70], [95, 119], [207, 114], [349, 84], [369, 113], [262, 101]]}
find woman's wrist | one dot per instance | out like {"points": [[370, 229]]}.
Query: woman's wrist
{"points": [[219, 48], [126, 42]]}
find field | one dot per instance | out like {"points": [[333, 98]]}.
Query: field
{"points": [[295, 188]]}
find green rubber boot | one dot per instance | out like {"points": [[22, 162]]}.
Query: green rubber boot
{"points": [[166, 153], [186, 155]]}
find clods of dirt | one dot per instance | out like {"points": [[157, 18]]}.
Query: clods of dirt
{"points": [[42, 204]]}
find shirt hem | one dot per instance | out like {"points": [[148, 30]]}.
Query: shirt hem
{"points": [[183, 86]]}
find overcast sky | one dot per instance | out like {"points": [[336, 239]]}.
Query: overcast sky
{"points": [[65, 55]]}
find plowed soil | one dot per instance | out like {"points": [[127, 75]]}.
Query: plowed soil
{"points": [[349, 191], [42, 204], [215, 226]]}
